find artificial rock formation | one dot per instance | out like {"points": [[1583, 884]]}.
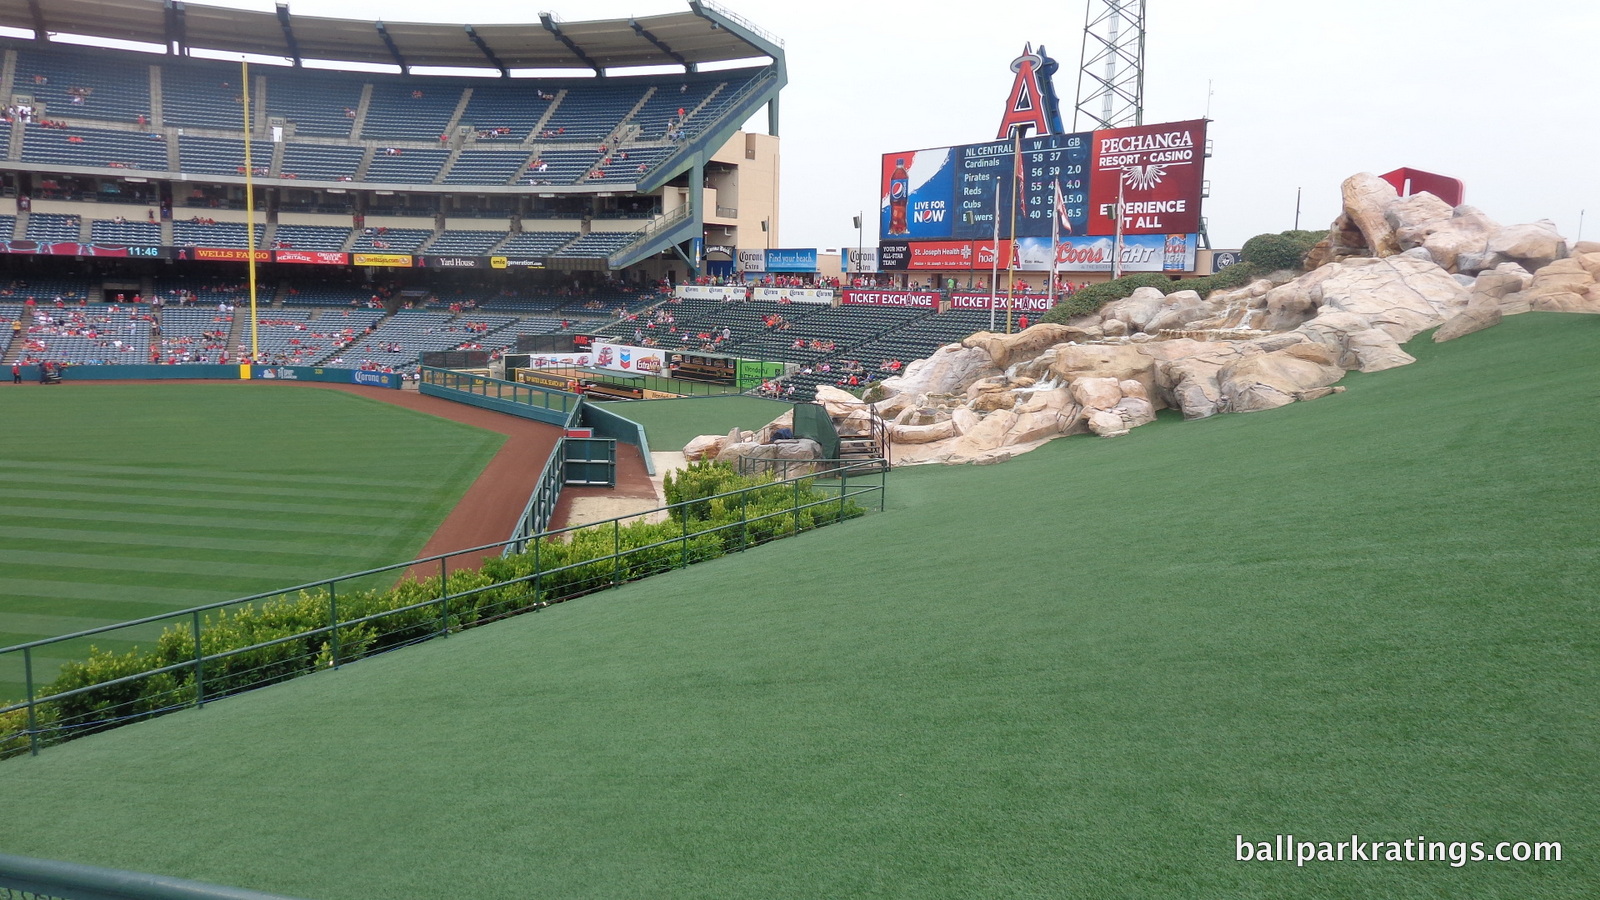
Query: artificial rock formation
{"points": [[1391, 268]]}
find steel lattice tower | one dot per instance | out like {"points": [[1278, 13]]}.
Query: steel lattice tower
{"points": [[1111, 74]]}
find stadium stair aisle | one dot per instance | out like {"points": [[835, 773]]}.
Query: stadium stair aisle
{"points": [[14, 350]]}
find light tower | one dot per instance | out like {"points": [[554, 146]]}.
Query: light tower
{"points": [[1111, 74]]}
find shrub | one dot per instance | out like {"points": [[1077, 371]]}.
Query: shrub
{"points": [[1286, 250], [1090, 299], [123, 687]]}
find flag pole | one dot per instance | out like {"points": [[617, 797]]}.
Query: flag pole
{"points": [[249, 210], [1016, 190], [1055, 236], [994, 273], [1116, 244]]}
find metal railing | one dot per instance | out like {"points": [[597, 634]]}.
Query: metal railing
{"points": [[542, 501], [732, 16], [366, 613], [649, 232], [526, 400], [24, 878]]}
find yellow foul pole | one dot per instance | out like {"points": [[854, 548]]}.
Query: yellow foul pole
{"points": [[249, 208]]}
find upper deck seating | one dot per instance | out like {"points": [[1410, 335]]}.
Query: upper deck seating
{"points": [[406, 166], [321, 161], [83, 82], [516, 105], [202, 94], [315, 104], [410, 109]]}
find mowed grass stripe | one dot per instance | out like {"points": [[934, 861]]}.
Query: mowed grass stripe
{"points": [[25, 606], [18, 560], [256, 522], [167, 483], [168, 501], [180, 470], [9, 535], [107, 592], [24, 628]]}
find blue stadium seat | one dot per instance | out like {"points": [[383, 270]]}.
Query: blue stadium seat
{"points": [[83, 82], [407, 166], [311, 237], [95, 147], [321, 161], [314, 103], [486, 167], [394, 112]]}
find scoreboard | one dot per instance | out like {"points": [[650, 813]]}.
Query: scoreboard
{"points": [[954, 193], [1048, 162]]}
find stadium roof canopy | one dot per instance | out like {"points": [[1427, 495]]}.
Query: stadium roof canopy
{"points": [[706, 33]]}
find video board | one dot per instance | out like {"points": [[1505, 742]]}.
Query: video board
{"points": [[954, 193]]}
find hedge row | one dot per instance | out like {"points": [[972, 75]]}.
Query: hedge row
{"points": [[1262, 254], [290, 636]]}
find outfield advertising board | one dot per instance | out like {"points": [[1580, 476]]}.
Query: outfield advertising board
{"points": [[915, 299], [431, 261], [554, 360], [390, 260], [311, 257], [223, 254], [709, 292], [631, 359], [1028, 303], [317, 373], [1140, 253], [791, 260], [792, 295], [861, 260]]}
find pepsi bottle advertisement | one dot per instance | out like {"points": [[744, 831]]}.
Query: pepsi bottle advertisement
{"points": [[916, 199]]}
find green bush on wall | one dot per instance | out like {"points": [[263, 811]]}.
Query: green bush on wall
{"points": [[722, 512], [1285, 250], [1262, 254]]}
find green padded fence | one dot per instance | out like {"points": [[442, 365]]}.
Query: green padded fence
{"points": [[525, 400]]}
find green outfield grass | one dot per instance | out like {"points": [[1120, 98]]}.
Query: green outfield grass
{"points": [[1078, 674], [122, 501], [672, 423]]}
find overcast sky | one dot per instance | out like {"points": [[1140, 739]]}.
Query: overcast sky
{"points": [[1302, 95]]}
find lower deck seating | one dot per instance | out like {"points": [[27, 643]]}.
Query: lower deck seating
{"points": [[193, 334], [87, 335]]}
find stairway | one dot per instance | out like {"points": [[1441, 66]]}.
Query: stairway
{"points": [[861, 448], [14, 352]]}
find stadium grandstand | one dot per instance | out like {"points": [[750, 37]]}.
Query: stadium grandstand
{"points": [[390, 213]]}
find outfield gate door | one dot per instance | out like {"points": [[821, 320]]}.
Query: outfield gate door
{"points": [[589, 461], [811, 421]]}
